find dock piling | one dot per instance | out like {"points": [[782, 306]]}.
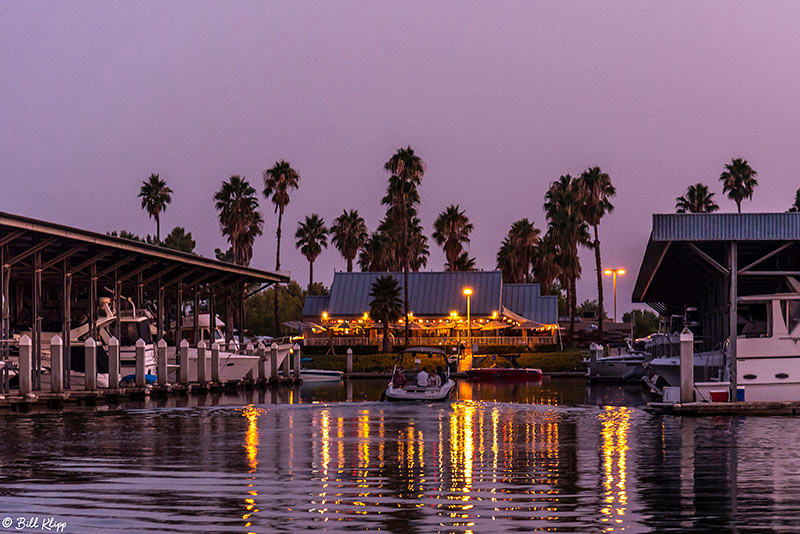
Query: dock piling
{"points": [[285, 366], [113, 363], [184, 362], [90, 355], [215, 362], [261, 350], [163, 368], [201, 363], [296, 362], [248, 350], [687, 365], [595, 351], [273, 362], [349, 361], [56, 365], [140, 378], [25, 365]]}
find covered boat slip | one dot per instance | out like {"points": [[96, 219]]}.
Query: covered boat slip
{"points": [[54, 278], [732, 273]]}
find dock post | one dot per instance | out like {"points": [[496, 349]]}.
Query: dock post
{"points": [[184, 362], [90, 355], [687, 365], [25, 365], [296, 362], [201, 363], [163, 367], [140, 350], [248, 350], [113, 363], [215, 363], [56, 365], [273, 362], [595, 350], [261, 350], [285, 365], [349, 361]]}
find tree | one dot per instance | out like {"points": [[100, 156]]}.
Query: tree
{"points": [[545, 265], [567, 229], [124, 234], [349, 235], [385, 304], [155, 196], [595, 192], [408, 168], [462, 263], [239, 218], [374, 255], [278, 181], [589, 308], [696, 200], [224, 255], [312, 236], [645, 322], [180, 239], [451, 232], [517, 252], [796, 206], [260, 310], [738, 181]]}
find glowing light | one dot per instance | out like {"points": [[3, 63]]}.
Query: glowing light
{"points": [[324, 315], [468, 291]]}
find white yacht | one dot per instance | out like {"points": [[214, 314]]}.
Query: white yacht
{"points": [[404, 385], [620, 365]]}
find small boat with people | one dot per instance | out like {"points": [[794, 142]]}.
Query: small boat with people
{"points": [[420, 374]]}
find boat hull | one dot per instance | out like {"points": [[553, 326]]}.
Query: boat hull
{"points": [[414, 394], [320, 375], [505, 374]]}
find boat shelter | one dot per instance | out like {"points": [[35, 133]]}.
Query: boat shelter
{"points": [[53, 277], [710, 267]]}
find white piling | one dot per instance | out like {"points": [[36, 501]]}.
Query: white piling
{"points": [[285, 365], [273, 361], [349, 361], [90, 355], [296, 361], [215, 362], [113, 363], [56, 365], [687, 365], [261, 350], [25, 365], [250, 352], [163, 364], [140, 350], [201, 363], [184, 362]]}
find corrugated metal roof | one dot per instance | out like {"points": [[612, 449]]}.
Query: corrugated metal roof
{"points": [[429, 293], [527, 300], [726, 226], [314, 305]]}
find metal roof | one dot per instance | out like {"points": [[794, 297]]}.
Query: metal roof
{"points": [[527, 300], [437, 294], [56, 242], [725, 226]]}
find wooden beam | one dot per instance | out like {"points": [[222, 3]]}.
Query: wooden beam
{"points": [[162, 272], [112, 268], [90, 261], [708, 258], [33, 250], [61, 257], [770, 273], [180, 277], [137, 270], [11, 236], [655, 269], [746, 268]]}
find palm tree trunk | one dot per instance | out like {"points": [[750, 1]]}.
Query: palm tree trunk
{"points": [[349, 265], [233, 249], [158, 229], [738, 206], [385, 337], [278, 268], [310, 274], [573, 304], [599, 283], [405, 267]]}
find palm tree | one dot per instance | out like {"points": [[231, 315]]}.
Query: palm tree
{"points": [[385, 304], [523, 237], [375, 253], [239, 218], [451, 231], [696, 200], [796, 206], [408, 168], [277, 182], [155, 196], [545, 264], [462, 263], [595, 192], [349, 235], [508, 262], [739, 181], [312, 237], [568, 229]]}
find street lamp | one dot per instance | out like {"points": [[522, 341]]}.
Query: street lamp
{"points": [[468, 293], [614, 273]]}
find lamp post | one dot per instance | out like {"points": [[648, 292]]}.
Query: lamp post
{"points": [[614, 273], [468, 293]]}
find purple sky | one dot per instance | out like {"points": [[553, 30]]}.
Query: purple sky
{"points": [[499, 99]]}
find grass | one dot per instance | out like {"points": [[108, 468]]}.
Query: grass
{"points": [[569, 360]]}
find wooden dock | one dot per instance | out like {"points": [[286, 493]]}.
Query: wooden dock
{"points": [[697, 409]]}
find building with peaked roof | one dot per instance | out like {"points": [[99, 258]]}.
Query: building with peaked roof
{"points": [[499, 313]]}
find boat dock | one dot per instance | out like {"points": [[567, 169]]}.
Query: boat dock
{"points": [[693, 409]]}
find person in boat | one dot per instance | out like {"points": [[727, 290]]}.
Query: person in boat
{"points": [[442, 376], [434, 379], [422, 378], [399, 379]]}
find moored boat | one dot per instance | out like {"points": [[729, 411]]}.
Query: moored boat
{"points": [[409, 384]]}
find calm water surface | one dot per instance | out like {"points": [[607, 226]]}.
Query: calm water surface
{"points": [[555, 456]]}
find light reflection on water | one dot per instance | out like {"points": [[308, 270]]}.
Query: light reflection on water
{"points": [[467, 466]]}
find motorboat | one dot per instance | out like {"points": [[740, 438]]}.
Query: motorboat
{"points": [[318, 375], [405, 384], [515, 373], [708, 366], [620, 365]]}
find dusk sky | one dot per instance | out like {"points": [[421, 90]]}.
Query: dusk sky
{"points": [[498, 98]]}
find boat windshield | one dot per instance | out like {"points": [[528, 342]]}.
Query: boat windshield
{"points": [[421, 358], [131, 331]]}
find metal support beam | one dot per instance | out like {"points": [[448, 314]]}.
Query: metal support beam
{"points": [[9, 237], [49, 264], [196, 314], [117, 309], [36, 327], [160, 314], [228, 319], [781, 248], [212, 315], [93, 301], [770, 273], [114, 267], [708, 258], [78, 268], [242, 293], [178, 315], [733, 314], [180, 277], [137, 271], [139, 292], [3, 332], [66, 326], [655, 269], [33, 250], [161, 273]]}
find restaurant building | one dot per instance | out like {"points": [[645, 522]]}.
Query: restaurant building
{"points": [[440, 311]]}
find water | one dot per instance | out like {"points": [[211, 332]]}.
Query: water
{"points": [[553, 460]]}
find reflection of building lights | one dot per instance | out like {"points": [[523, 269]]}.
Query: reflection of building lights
{"points": [[251, 448], [615, 424]]}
